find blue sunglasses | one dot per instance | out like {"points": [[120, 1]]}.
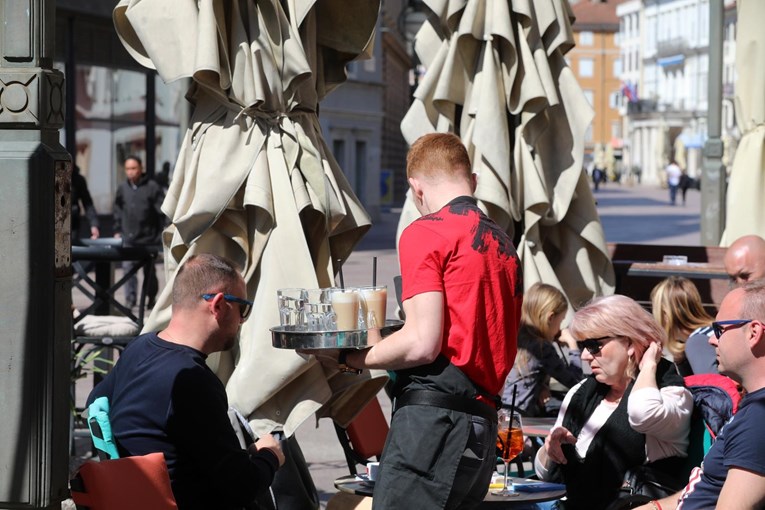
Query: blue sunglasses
{"points": [[245, 306], [719, 327]]}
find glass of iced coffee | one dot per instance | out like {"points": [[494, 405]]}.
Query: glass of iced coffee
{"points": [[345, 303], [373, 304]]}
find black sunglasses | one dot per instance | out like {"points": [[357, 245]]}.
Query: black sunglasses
{"points": [[593, 345], [719, 327], [245, 306]]}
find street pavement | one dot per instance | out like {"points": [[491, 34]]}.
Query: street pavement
{"points": [[629, 214]]}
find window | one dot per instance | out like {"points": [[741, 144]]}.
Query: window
{"points": [[352, 70], [613, 100], [589, 96], [618, 68], [588, 134], [361, 168], [616, 129], [338, 150], [586, 38], [586, 67]]}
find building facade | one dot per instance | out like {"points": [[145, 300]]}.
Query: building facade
{"points": [[597, 64], [361, 120], [665, 95]]}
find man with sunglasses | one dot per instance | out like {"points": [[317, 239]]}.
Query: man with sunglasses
{"points": [[164, 398], [732, 474]]}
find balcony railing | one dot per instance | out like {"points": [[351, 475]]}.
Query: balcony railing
{"points": [[642, 106], [669, 47]]}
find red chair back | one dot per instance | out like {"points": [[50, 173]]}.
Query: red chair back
{"points": [[129, 483], [367, 432]]}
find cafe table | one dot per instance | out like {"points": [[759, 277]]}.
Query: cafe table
{"points": [[537, 427], [359, 486]]}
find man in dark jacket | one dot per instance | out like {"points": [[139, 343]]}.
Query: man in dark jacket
{"points": [[138, 221], [82, 202]]}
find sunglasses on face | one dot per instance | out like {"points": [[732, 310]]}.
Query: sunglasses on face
{"points": [[721, 327], [245, 306], [594, 345]]}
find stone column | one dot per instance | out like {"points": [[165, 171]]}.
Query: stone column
{"points": [[35, 299], [713, 177]]}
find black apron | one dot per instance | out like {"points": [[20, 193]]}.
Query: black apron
{"points": [[434, 428]]}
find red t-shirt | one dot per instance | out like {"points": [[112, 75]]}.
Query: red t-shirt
{"points": [[462, 253]]}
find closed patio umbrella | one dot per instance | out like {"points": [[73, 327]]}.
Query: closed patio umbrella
{"points": [[744, 212], [496, 76], [254, 180]]}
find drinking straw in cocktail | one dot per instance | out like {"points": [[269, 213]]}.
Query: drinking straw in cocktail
{"points": [[512, 403], [374, 271]]}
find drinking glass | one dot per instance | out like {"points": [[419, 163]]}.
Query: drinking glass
{"points": [[372, 302], [509, 443], [345, 304], [318, 314], [291, 306]]}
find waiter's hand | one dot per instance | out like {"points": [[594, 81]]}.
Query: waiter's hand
{"points": [[327, 357], [268, 442], [373, 337]]}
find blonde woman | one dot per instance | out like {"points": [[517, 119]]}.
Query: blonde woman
{"points": [[543, 310], [678, 309], [632, 413]]}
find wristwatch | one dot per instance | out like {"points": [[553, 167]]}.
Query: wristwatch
{"points": [[343, 365]]}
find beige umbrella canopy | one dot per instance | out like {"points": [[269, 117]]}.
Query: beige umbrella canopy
{"points": [[254, 180], [497, 77], [745, 213]]}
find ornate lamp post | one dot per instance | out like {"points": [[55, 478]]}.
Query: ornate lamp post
{"points": [[35, 302]]}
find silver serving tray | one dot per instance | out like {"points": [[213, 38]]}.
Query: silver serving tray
{"points": [[288, 337]]}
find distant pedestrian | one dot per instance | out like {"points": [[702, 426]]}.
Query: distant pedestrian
{"points": [[81, 197], [673, 180], [597, 177], [138, 221], [686, 182], [163, 177]]}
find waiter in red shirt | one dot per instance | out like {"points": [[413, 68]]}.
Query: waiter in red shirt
{"points": [[462, 292]]}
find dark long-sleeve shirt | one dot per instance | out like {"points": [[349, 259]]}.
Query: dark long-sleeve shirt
{"points": [[164, 398], [81, 196], [138, 215]]}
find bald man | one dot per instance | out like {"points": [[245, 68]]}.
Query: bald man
{"points": [[745, 259]]}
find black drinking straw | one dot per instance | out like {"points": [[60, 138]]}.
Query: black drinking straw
{"points": [[512, 405], [374, 271], [342, 282]]}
